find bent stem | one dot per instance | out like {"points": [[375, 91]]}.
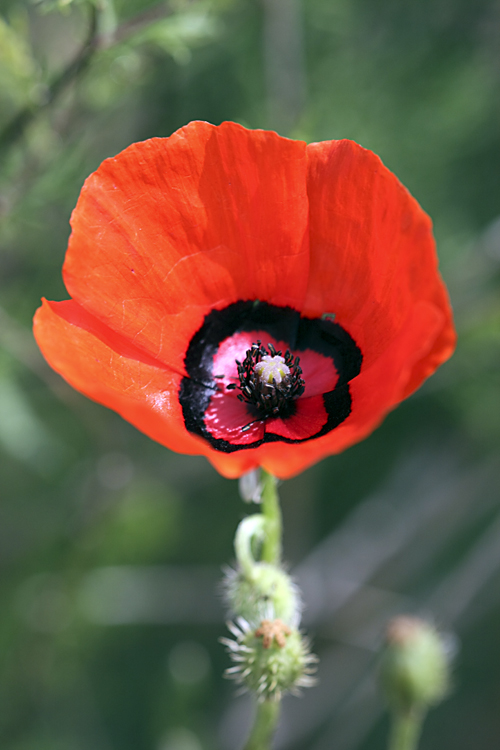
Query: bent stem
{"points": [[405, 731], [264, 726], [271, 547]]}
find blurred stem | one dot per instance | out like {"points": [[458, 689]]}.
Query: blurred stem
{"points": [[264, 726], [405, 730], [284, 62], [16, 127], [271, 547]]}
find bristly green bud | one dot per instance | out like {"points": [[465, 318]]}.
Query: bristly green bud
{"points": [[265, 593], [415, 665], [269, 660]]}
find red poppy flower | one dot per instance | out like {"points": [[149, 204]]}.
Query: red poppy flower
{"points": [[247, 297]]}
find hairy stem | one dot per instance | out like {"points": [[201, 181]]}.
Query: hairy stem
{"points": [[266, 720]]}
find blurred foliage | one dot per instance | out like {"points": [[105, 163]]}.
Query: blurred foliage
{"points": [[110, 546]]}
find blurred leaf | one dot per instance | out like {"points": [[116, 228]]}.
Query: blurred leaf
{"points": [[19, 73], [141, 527], [22, 434]]}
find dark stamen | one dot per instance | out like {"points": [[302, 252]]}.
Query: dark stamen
{"points": [[268, 399]]}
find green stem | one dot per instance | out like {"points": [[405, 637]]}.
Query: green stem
{"points": [[271, 547], [264, 726], [405, 731]]}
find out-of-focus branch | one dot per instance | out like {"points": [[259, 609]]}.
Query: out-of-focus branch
{"points": [[139, 21], [93, 42], [17, 126]]}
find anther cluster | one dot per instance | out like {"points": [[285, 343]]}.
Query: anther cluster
{"points": [[269, 395]]}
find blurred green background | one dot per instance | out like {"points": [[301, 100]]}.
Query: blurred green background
{"points": [[110, 546]]}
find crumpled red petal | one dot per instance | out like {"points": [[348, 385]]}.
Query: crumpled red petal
{"points": [[112, 371], [372, 241], [173, 227]]}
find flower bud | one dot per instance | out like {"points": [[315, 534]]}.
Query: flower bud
{"points": [[271, 659], [414, 670], [264, 592]]}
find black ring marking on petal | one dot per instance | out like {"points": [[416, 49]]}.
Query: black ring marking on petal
{"points": [[283, 324]]}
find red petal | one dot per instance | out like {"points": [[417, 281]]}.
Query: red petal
{"points": [[318, 372], [440, 349], [110, 370], [372, 252], [309, 418], [225, 418], [171, 228], [374, 392], [233, 465]]}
